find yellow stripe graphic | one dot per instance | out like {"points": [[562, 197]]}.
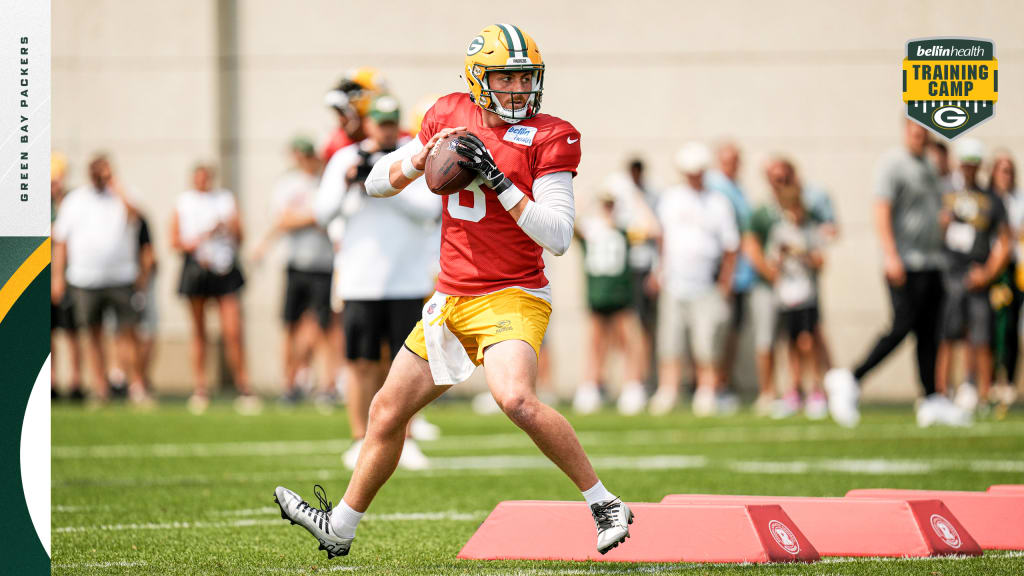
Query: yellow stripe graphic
{"points": [[22, 277]]}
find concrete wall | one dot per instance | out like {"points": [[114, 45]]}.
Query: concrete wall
{"points": [[160, 85]]}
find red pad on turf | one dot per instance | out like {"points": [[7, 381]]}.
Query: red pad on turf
{"points": [[1006, 489], [862, 527], [995, 520], [543, 530]]}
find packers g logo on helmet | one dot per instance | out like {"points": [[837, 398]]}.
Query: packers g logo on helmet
{"points": [[504, 47]]}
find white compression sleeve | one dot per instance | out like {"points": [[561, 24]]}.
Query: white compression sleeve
{"points": [[548, 218], [378, 183]]}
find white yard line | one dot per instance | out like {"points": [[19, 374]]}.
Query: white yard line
{"points": [[719, 435], [451, 515]]}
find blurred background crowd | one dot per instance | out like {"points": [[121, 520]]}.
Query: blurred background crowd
{"points": [[730, 244]]}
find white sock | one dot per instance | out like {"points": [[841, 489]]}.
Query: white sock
{"points": [[589, 384], [633, 384], [597, 494], [344, 520]]}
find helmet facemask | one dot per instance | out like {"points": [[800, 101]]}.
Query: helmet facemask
{"points": [[489, 100]]}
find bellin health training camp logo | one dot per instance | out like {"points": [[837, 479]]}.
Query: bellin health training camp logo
{"points": [[950, 85]]}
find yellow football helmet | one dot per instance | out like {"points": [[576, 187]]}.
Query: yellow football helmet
{"points": [[503, 47], [357, 89]]}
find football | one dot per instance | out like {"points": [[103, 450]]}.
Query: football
{"points": [[443, 173]]}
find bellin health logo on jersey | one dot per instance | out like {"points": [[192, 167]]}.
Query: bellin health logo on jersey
{"points": [[950, 85]]}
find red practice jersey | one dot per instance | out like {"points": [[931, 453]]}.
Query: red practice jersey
{"points": [[482, 248]]}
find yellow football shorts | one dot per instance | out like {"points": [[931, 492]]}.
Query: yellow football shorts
{"points": [[479, 321]]}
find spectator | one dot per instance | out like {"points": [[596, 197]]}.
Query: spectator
{"points": [[698, 257], [207, 230], [96, 256], [612, 319], [793, 252], [1003, 183], [726, 180], [384, 266], [62, 315], [635, 199], [977, 241], [144, 302], [909, 198], [309, 268]]}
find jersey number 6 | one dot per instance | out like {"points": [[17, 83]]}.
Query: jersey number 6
{"points": [[474, 213]]}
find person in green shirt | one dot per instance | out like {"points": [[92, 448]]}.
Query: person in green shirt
{"points": [[613, 320]]}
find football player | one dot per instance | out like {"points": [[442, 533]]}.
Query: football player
{"points": [[492, 299]]}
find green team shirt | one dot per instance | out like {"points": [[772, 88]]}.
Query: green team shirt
{"points": [[606, 264]]}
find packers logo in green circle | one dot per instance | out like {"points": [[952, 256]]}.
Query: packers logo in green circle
{"points": [[475, 45], [950, 85]]}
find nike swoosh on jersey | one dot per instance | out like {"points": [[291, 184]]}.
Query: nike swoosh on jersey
{"points": [[571, 141]]}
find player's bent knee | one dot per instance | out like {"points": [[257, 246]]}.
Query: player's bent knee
{"points": [[521, 408], [386, 416]]}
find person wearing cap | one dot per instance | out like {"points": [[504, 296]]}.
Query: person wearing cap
{"points": [[613, 320], [383, 269], [977, 245], [307, 313], [699, 245]]}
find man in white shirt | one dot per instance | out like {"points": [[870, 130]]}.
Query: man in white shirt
{"points": [[384, 267], [96, 256], [698, 256]]}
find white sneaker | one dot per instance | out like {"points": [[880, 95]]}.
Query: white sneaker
{"points": [[704, 402], [632, 399], [315, 520], [843, 394], [587, 400], [966, 397], [816, 407], [422, 430], [485, 404], [662, 402], [952, 415], [248, 405], [412, 457], [726, 403], [928, 411], [612, 520], [198, 403], [764, 404], [351, 455], [936, 409]]}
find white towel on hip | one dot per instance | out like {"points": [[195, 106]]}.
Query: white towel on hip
{"points": [[448, 359]]}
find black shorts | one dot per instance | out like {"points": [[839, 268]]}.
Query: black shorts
{"points": [[62, 316], [794, 322], [370, 323], [199, 282], [307, 291], [91, 304], [609, 310]]}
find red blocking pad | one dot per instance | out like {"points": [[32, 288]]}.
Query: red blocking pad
{"points": [[863, 527], [995, 520], [1006, 489], [546, 530]]}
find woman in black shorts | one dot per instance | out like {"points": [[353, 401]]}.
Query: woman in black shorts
{"points": [[207, 230]]}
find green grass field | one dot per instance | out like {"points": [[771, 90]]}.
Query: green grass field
{"points": [[170, 493]]}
